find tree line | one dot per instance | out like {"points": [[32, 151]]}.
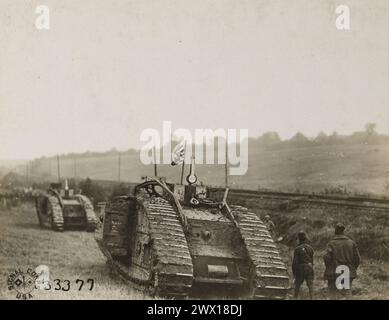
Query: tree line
{"points": [[368, 136]]}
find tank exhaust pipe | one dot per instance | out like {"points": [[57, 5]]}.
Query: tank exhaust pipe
{"points": [[66, 188]]}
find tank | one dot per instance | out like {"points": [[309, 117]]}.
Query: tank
{"points": [[173, 240], [60, 208]]}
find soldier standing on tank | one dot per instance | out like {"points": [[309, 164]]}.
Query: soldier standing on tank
{"points": [[270, 226], [341, 252], [302, 266]]}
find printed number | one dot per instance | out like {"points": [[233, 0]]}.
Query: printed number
{"points": [[44, 282], [58, 284], [89, 281], [67, 288], [81, 285], [92, 284]]}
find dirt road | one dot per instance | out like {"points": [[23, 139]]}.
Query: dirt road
{"points": [[70, 256]]}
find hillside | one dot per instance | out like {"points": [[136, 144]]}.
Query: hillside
{"points": [[362, 168], [8, 165]]}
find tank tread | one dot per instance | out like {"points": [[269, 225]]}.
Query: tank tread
{"points": [[271, 278], [173, 271], [171, 236], [173, 251], [174, 268], [122, 270], [57, 222], [91, 220], [174, 232]]}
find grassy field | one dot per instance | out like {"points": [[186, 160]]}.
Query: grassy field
{"points": [[371, 284], [358, 168], [72, 255]]}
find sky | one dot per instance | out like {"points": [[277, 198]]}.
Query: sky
{"points": [[106, 70]]}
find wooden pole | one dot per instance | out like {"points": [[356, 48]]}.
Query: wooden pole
{"points": [[75, 169], [119, 164], [226, 165], [27, 177], [155, 162], [58, 169], [183, 166]]}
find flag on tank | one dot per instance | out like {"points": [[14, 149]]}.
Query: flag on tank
{"points": [[178, 154]]}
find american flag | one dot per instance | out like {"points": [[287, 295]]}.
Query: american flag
{"points": [[178, 154]]}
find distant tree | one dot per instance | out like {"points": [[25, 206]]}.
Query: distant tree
{"points": [[321, 137], [299, 139], [269, 138], [13, 179], [370, 129], [112, 151], [334, 138]]}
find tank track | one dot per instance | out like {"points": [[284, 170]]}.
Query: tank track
{"points": [[173, 275], [91, 220], [271, 276], [117, 267], [57, 222], [172, 264]]}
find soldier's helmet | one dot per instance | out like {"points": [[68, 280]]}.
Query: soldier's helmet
{"points": [[302, 236], [339, 228]]}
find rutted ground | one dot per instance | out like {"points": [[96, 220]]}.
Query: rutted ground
{"points": [[73, 255], [70, 255]]}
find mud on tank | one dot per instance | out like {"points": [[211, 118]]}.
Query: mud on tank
{"points": [[172, 240], [59, 209]]}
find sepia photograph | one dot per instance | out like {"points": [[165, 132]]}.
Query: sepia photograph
{"points": [[213, 150]]}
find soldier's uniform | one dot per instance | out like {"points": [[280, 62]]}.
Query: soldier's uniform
{"points": [[302, 265], [341, 251]]}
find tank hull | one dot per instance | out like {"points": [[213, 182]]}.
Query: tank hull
{"points": [[146, 242], [59, 214]]}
